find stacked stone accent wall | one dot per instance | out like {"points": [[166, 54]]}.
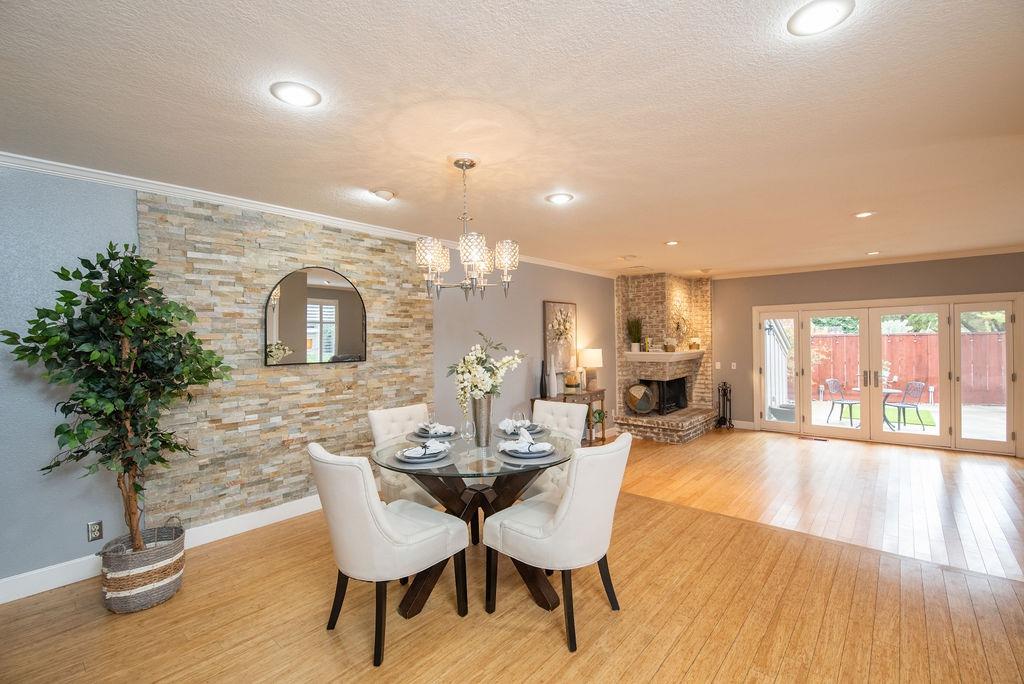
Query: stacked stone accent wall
{"points": [[660, 300], [250, 433]]}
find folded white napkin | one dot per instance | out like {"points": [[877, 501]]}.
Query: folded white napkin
{"points": [[510, 427], [431, 446], [525, 444], [436, 429]]}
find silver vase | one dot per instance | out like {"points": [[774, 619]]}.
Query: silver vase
{"points": [[482, 419]]}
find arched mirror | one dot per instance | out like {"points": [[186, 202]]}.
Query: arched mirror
{"points": [[314, 315]]}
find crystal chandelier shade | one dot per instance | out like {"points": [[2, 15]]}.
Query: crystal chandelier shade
{"points": [[472, 250], [433, 258]]}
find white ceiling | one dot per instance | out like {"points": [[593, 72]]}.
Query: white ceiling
{"points": [[703, 122]]}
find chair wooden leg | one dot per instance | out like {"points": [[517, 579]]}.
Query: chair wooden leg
{"points": [[339, 598], [570, 620], [491, 590], [379, 622], [606, 579], [461, 594]]}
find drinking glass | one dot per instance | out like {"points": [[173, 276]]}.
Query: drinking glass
{"points": [[431, 417], [519, 415], [468, 430]]}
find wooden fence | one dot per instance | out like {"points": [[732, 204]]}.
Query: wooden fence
{"points": [[913, 356]]}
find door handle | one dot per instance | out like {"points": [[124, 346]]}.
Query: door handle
{"points": [[865, 381], [876, 378]]}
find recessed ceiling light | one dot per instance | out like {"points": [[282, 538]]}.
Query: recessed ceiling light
{"points": [[296, 94], [819, 16], [672, 243], [559, 198], [384, 194], [864, 214], [875, 253]]}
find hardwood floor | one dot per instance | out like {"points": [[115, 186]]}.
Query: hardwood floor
{"points": [[957, 509], [704, 596]]}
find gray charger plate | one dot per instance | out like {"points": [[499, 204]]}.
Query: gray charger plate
{"points": [[529, 456], [539, 433], [426, 458], [419, 439]]}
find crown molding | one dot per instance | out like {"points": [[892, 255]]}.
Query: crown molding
{"points": [[53, 168], [867, 263]]}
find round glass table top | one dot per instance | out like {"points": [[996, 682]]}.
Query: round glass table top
{"points": [[465, 459]]}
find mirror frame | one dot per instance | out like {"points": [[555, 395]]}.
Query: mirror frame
{"points": [[266, 313]]}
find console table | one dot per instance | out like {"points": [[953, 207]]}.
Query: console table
{"points": [[589, 398]]}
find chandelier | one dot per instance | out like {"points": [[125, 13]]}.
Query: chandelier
{"points": [[478, 261]]}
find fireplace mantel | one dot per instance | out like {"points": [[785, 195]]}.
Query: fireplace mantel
{"points": [[663, 356]]}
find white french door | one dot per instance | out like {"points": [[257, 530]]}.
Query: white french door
{"points": [[834, 346], [925, 372], [983, 371], [779, 365], [910, 375]]}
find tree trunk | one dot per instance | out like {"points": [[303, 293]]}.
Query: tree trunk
{"points": [[130, 499]]}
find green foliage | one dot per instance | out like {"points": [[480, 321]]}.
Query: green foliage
{"points": [[126, 350], [634, 329], [983, 321], [842, 324], [923, 322]]}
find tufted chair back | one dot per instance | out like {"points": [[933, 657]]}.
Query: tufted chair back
{"points": [[395, 422], [561, 416], [361, 535]]}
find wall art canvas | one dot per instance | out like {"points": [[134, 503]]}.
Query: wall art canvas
{"points": [[560, 335]]}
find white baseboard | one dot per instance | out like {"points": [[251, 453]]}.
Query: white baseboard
{"points": [[743, 424], [78, 569]]}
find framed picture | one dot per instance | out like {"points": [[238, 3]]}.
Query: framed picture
{"points": [[560, 335]]}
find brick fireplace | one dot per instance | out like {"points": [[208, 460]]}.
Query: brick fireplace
{"points": [[662, 300]]}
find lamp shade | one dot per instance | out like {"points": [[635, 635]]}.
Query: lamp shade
{"points": [[591, 358]]}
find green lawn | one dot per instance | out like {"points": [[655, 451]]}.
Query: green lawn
{"points": [[890, 412]]}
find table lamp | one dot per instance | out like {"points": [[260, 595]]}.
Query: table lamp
{"points": [[591, 358]]}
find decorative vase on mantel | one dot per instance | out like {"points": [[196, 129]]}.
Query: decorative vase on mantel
{"points": [[482, 419], [634, 346]]}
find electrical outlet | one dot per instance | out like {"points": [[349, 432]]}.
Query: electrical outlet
{"points": [[733, 365], [94, 531], [718, 365]]}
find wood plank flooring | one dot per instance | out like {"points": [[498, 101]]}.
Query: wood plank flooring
{"points": [[957, 509], [705, 597]]}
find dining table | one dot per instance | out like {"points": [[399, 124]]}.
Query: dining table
{"points": [[471, 479]]}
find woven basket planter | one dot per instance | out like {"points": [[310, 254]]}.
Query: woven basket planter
{"points": [[137, 580]]}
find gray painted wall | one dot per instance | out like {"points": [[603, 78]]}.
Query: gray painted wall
{"points": [[47, 222], [732, 300], [517, 321]]}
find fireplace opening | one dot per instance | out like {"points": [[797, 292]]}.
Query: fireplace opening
{"points": [[669, 395]]}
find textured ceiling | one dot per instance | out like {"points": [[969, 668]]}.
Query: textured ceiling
{"points": [[703, 122]]}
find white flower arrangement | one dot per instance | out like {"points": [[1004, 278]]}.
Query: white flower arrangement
{"points": [[561, 326], [277, 351], [479, 373]]}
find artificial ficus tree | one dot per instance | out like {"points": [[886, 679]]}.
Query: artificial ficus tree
{"points": [[128, 354]]}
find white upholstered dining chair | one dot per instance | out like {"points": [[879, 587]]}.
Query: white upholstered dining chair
{"points": [[563, 417], [564, 533], [374, 542], [387, 424]]}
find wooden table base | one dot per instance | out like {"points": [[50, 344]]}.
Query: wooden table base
{"points": [[465, 502]]}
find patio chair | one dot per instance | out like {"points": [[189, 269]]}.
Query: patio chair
{"points": [[911, 399], [835, 394]]}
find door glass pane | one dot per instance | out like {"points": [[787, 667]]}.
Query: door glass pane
{"points": [[835, 371], [780, 370], [909, 377], [983, 354]]}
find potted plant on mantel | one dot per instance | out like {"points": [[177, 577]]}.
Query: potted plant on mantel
{"points": [[126, 350], [635, 331]]}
